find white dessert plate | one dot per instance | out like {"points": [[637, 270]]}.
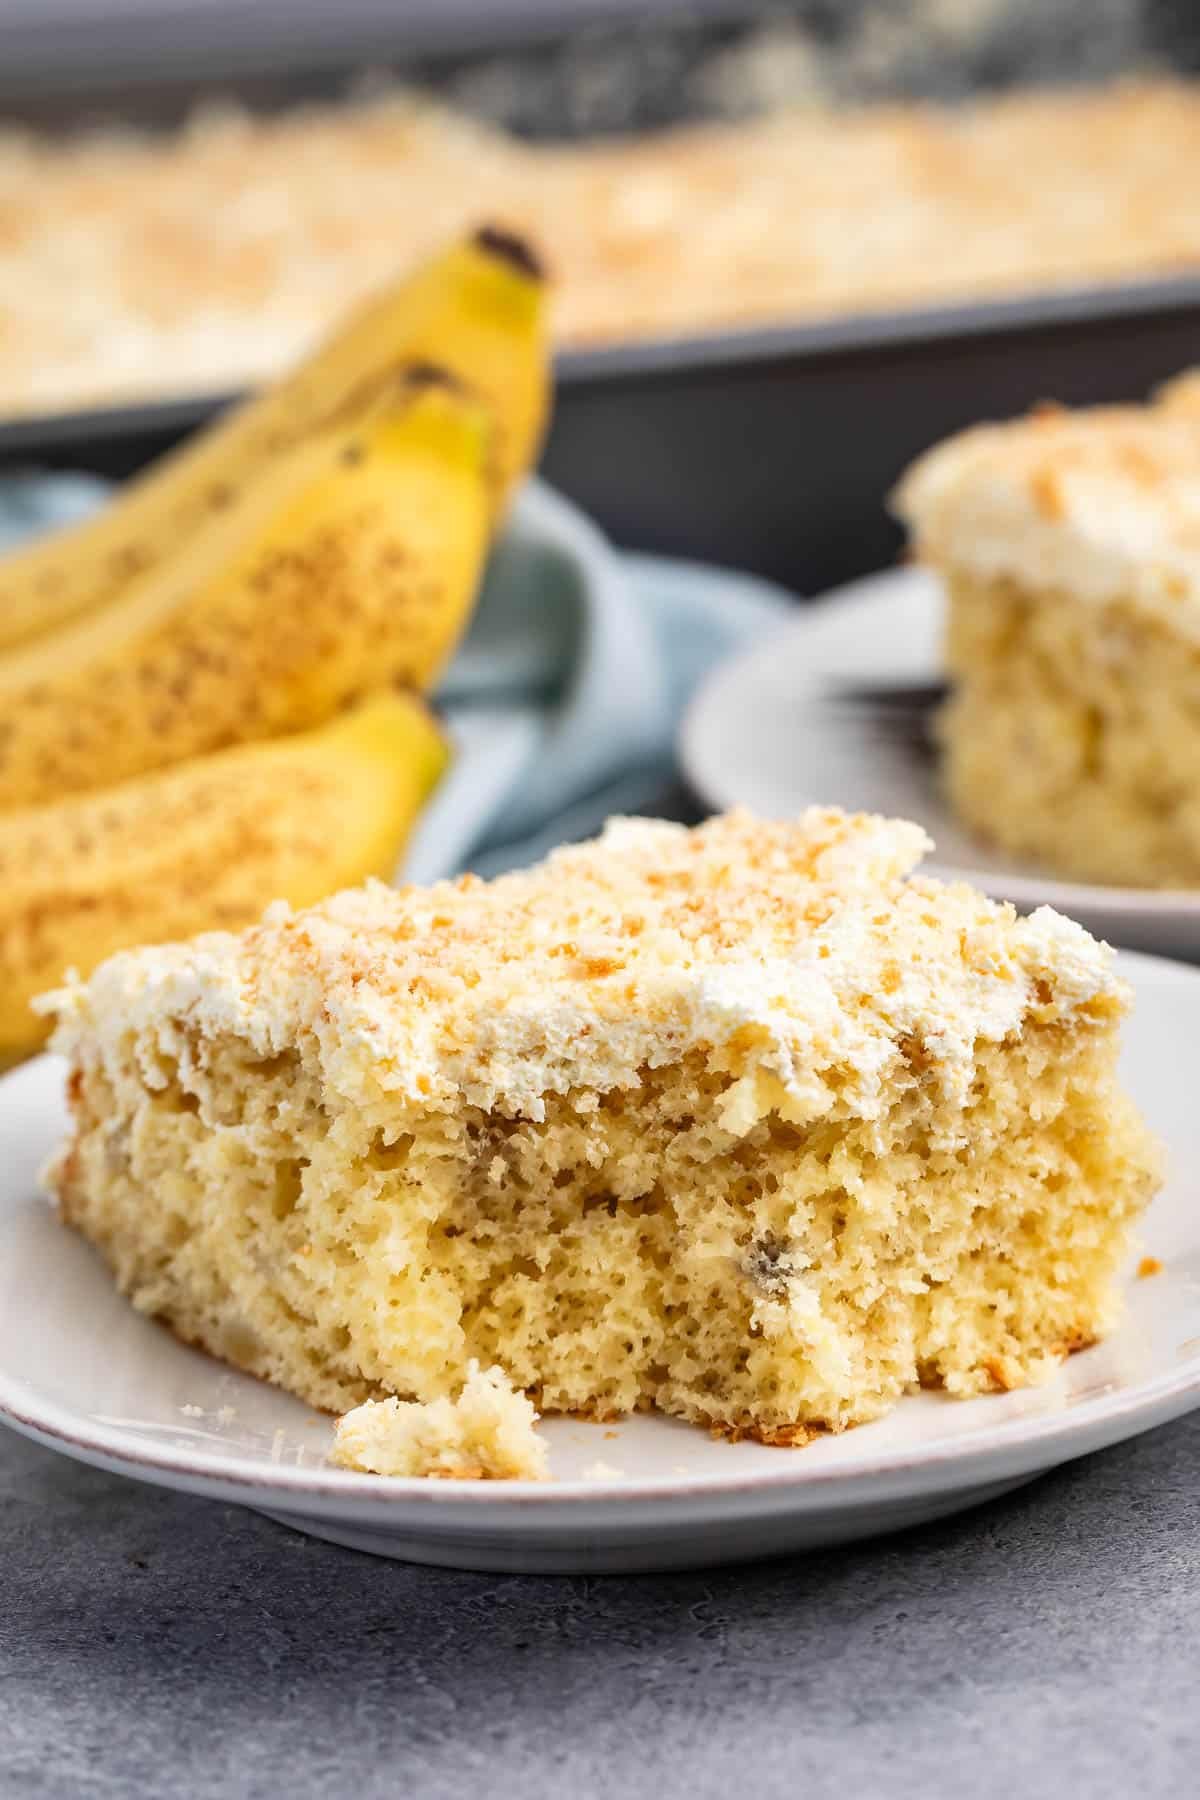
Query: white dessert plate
{"points": [[831, 709], [83, 1373]]}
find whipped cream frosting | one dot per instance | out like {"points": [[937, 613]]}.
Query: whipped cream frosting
{"points": [[1103, 504], [805, 959]]}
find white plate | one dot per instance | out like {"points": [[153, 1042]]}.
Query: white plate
{"points": [[80, 1371], [767, 731]]}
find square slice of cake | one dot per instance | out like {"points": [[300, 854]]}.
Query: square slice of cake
{"points": [[749, 1123], [1070, 548]]}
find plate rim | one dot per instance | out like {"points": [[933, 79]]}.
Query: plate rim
{"points": [[1015, 1446], [1040, 1441], [868, 592]]}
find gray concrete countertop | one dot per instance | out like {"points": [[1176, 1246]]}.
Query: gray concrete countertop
{"points": [[1044, 1645]]}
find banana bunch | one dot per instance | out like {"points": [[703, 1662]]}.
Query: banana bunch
{"points": [[477, 312], [207, 845], [207, 693]]}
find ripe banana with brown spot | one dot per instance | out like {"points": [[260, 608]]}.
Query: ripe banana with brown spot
{"points": [[206, 847], [478, 310], [351, 564]]}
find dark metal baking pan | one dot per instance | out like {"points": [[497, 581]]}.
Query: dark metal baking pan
{"points": [[769, 450], [774, 451]]}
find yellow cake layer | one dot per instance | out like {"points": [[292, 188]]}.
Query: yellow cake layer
{"points": [[749, 1124], [1073, 735]]}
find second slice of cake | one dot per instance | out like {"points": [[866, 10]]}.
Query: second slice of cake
{"points": [[748, 1123], [1070, 548]]}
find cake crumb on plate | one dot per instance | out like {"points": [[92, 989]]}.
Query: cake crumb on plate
{"points": [[487, 1434]]}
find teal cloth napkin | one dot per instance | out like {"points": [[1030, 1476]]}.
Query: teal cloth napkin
{"points": [[564, 699]]}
